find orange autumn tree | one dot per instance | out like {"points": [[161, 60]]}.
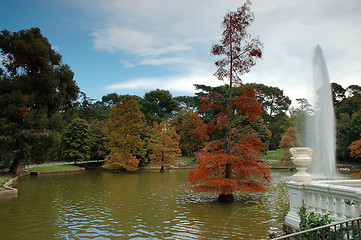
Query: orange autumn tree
{"points": [[164, 144], [123, 130], [229, 163], [355, 148]]}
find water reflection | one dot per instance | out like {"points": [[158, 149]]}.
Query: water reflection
{"points": [[143, 205]]}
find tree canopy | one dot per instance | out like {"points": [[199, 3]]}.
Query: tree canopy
{"points": [[158, 105], [123, 131], [35, 90], [164, 144]]}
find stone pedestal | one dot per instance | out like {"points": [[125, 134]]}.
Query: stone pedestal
{"points": [[301, 157]]}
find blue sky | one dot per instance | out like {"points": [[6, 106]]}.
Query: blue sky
{"points": [[135, 46]]}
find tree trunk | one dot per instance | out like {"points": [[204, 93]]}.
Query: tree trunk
{"points": [[14, 168], [162, 167], [228, 171], [225, 197]]}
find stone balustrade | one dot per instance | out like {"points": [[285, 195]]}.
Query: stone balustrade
{"points": [[341, 199]]}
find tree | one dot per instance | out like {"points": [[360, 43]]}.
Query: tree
{"points": [[290, 139], [89, 110], [76, 141], [97, 149], [111, 99], [274, 105], [355, 148], [338, 94], [164, 144], [157, 106], [187, 102], [348, 131], [349, 106], [35, 89], [229, 164], [123, 130], [192, 131]]}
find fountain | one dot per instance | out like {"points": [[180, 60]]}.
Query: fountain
{"points": [[320, 131], [326, 192]]}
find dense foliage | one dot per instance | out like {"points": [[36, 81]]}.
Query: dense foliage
{"points": [[123, 131], [192, 131], [36, 91], [76, 140], [164, 144]]}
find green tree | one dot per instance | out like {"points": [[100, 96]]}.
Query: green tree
{"points": [[190, 102], [164, 144], [349, 106], [97, 149], [274, 105], [192, 131], [338, 94], [123, 132], [89, 110], [111, 99], [348, 131], [35, 89], [76, 141], [158, 106]]}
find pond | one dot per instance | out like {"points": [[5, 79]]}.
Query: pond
{"points": [[144, 205]]}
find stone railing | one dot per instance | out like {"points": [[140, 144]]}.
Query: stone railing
{"points": [[341, 199]]}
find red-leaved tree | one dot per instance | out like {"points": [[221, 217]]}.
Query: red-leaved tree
{"points": [[228, 163]]}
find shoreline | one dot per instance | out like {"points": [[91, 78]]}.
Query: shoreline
{"points": [[13, 191]]}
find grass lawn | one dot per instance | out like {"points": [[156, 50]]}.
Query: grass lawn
{"points": [[183, 161], [52, 168], [273, 155], [273, 159], [3, 179]]}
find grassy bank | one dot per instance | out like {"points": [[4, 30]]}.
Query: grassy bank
{"points": [[273, 159], [3, 179], [52, 168], [183, 161]]}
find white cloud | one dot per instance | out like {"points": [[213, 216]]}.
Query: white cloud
{"points": [[123, 39], [176, 84], [181, 33], [174, 60]]}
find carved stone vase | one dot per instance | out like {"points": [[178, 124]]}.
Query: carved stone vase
{"points": [[301, 157]]}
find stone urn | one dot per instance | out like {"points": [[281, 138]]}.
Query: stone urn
{"points": [[301, 157]]}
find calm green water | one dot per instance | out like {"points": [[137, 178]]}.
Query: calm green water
{"points": [[142, 205]]}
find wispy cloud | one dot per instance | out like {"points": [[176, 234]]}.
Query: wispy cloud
{"points": [[176, 84], [135, 42], [174, 60], [181, 32]]}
